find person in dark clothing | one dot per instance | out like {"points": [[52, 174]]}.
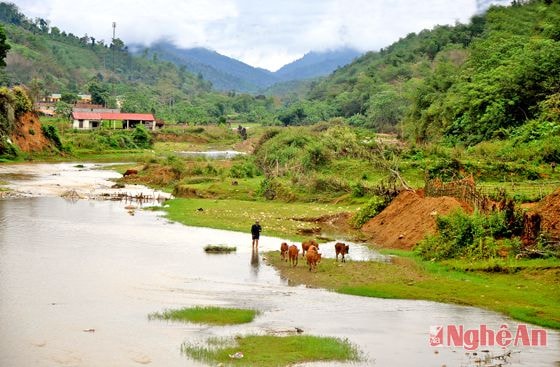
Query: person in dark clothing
{"points": [[255, 233]]}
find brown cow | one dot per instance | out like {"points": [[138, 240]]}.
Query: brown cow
{"points": [[341, 248], [306, 244], [313, 257], [284, 251], [293, 254], [130, 172]]}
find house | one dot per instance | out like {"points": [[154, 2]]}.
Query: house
{"points": [[93, 120]]}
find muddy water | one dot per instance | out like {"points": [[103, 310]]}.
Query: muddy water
{"points": [[69, 267]]}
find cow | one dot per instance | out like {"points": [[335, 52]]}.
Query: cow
{"points": [[342, 249], [130, 172], [306, 244], [313, 257], [284, 251], [293, 254]]}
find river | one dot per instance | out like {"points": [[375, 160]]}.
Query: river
{"points": [[78, 279]]}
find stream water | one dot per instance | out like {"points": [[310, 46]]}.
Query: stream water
{"points": [[78, 279]]}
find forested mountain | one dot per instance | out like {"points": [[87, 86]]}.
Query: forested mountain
{"points": [[464, 83], [223, 72], [497, 76], [315, 64], [48, 60], [228, 74]]}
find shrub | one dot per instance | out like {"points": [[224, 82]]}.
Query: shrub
{"points": [[141, 136], [243, 169], [271, 188], [373, 207], [22, 102], [473, 236], [51, 133]]}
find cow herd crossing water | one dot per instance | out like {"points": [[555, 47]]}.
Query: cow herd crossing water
{"points": [[310, 251]]}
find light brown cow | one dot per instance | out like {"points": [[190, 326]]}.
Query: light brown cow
{"points": [[293, 254], [284, 251], [306, 244], [313, 257], [342, 249]]}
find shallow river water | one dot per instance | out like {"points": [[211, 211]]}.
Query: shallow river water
{"points": [[79, 278]]}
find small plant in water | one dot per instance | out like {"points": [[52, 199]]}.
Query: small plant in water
{"points": [[270, 350], [219, 249], [207, 315]]}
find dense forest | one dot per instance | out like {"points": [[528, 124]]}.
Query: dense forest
{"points": [[464, 83], [48, 60], [496, 77]]}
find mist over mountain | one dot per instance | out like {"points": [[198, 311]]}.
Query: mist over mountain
{"points": [[315, 64], [226, 73]]}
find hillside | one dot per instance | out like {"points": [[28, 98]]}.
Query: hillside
{"points": [[48, 60], [316, 64], [494, 77], [228, 74], [223, 72]]}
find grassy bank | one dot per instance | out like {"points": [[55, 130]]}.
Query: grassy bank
{"points": [[272, 351], [530, 292], [207, 315], [277, 218]]}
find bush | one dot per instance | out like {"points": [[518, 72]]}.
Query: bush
{"points": [[243, 169], [51, 133], [476, 236], [22, 102], [373, 207], [141, 137], [271, 189]]}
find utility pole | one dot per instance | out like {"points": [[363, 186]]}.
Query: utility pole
{"points": [[113, 52], [113, 43]]}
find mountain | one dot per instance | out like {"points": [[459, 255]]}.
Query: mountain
{"points": [[223, 72], [228, 74], [315, 64]]}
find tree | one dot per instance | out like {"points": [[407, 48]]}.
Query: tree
{"points": [[63, 109], [4, 47], [69, 97], [99, 93]]}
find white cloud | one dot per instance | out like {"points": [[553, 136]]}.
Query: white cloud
{"points": [[268, 34]]}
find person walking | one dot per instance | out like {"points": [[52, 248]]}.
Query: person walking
{"points": [[255, 233]]}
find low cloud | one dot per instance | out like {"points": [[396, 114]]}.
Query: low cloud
{"points": [[264, 34]]}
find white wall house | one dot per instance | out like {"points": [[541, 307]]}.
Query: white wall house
{"points": [[93, 120]]}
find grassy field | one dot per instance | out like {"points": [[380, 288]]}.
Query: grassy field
{"points": [[530, 292], [272, 351], [276, 218], [207, 315]]}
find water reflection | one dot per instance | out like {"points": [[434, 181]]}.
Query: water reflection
{"points": [[255, 264]]}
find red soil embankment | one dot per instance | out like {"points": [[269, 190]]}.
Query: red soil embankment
{"points": [[409, 218], [549, 211], [28, 135]]}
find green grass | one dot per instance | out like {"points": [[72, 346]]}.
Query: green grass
{"points": [[208, 315], [219, 249], [531, 293], [273, 351], [239, 215]]}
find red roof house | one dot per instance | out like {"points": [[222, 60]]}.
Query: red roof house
{"points": [[92, 120]]}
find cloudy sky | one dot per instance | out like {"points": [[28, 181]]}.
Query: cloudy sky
{"points": [[263, 33]]}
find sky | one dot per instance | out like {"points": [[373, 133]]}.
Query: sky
{"points": [[261, 33]]}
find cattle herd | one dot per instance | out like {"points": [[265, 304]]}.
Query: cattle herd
{"points": [[310, 251]]}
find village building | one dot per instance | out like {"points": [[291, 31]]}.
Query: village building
{"points": [[93, 120]]}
